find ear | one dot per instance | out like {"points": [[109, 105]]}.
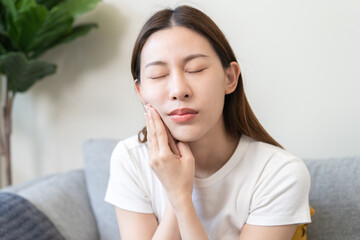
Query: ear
{"points": [[232, 76], [138, 90]]}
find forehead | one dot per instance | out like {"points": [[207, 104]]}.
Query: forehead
{"points": [[175, 44]]}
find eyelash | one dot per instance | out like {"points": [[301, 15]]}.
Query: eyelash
{"points": [[197, 71], [187, 72], [160, 77]]}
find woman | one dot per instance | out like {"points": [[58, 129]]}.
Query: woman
{"points": [[204, 167]]}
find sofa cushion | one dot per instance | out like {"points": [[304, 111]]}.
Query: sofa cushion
{"points": [[97, 155], [21, 220], [334, 194], [64, 200]]}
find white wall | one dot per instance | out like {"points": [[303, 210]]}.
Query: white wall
{"points": [[300, 59]]}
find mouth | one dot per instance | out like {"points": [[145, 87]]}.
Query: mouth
{"points": [[182, 114]]}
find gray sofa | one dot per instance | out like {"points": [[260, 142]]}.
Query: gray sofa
{"points": [[73, 201]]}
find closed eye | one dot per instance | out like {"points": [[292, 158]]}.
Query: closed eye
{"points": [[158, 77], [197, 71]]}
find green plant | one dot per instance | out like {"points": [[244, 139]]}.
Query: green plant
{"points": [[29, 28]]}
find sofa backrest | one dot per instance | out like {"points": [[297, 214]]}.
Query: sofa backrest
{"points": [[335, 196], [97, 155]]}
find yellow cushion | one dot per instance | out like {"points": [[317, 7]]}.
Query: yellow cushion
{"points": [[300, 233]]}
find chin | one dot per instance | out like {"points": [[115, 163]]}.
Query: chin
{"points": [[182, 135]]}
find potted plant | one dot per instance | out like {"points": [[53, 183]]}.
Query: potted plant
{"points": [[29, 28]]}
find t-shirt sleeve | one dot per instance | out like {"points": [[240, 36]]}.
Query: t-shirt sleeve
{"points": [[126, 189], [281, 195]]}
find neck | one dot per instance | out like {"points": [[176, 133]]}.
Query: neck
{"points": [[212, 150]]}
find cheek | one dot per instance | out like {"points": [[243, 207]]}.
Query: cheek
{"points": [[214, 100], [215, 92], [215, 106], [151, 95]]}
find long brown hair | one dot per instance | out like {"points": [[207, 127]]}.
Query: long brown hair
{"points": [[238, 116]]}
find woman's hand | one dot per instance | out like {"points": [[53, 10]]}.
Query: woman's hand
{"points": [[172, 162]]}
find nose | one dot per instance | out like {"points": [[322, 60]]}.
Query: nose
{"points": [[179, 88]]}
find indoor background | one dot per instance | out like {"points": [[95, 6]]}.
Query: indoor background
{"points": [[300, 61]]}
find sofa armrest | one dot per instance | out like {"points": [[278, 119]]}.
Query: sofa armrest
{"points": [[63, 198]]}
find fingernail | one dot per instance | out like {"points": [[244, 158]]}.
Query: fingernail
{"points": [[147, 108]]}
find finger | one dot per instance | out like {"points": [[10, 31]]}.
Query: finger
{"points": [[172, 143], [185, 150], [149, 143], [151, 134], [160, 131]]}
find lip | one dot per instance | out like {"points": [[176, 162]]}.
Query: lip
{"points": [[183, 111], [182, 114]]}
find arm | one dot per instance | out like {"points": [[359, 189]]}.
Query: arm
{"points": [[146, 225], [189, 223], [135, 225], [192, 229], [168, 227], [252, 232]]}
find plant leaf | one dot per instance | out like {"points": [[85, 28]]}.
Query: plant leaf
{"points": [[2, 26], [56, 25], [76, 32], [6, 42], [2, 49], [3, 39], [22, 5], [3, 33], [21, 73], [10, 15], [27, 23], [49, 4], [2, 17], [78, 7], [10, 7]]}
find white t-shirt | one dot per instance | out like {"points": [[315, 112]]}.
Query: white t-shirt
{"points": [[260, 185]]}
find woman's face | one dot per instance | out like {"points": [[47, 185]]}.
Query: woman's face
{"points": [[183, 79]]}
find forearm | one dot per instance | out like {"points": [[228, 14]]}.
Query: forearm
{"points": [[168, 227], [188, 221]]}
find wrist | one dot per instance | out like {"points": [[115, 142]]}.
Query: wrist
{"points": [[168, 227], [181, 202]]}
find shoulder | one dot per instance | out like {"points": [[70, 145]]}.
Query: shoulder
{"points": [[281, 187], [263, 149], [275, 162], [130, 150], [129, 145]]}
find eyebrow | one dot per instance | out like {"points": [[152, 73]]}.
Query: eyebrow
{"points": [[185, 60], [191, 57]]}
